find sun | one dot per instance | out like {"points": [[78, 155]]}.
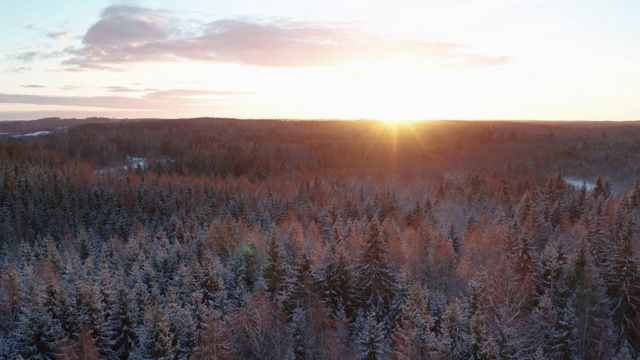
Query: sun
{"points": [[399, 122]]}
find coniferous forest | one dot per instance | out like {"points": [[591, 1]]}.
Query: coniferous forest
{"points": [[230, 239]]}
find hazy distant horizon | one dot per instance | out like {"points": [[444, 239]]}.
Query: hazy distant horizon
{"points": [[89, 117]]}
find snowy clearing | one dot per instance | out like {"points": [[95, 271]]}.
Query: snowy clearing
{"points": [[37, 133], [577, 183]]}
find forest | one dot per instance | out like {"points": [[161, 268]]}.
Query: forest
{"points": [[267, 239]]}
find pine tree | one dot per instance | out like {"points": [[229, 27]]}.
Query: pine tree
{"points": [[38, 335], [124, 338], [91, 313], [182, 328], [370, 337], [304, 340], [623, 282], [593, 326], [10, 298], [455, 331], [333, 281], [552, 329], [481, 342], [155, 336], [298, 285], [414, 338], [415, 216], [274, 272], [455, 240], [550, 272], [524, 256], [376, 283], [210, 284], [243, 274]]}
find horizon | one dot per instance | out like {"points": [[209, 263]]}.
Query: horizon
{"points": [[526, 60], [390, 121]]}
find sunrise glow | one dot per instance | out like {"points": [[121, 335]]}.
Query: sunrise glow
{"points": [[386, 60]]}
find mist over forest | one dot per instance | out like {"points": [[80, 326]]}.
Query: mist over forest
{"points": [[266, 239]]}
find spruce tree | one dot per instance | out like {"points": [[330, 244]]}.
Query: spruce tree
{"points": [[376, 282], [334, 281], [623, 283], [370, 337], [414, 337], [124, 338], [38, 335], [274, 272]]}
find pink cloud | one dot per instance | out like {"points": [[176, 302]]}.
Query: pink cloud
{"points": [[134, 34], [153, 100]]}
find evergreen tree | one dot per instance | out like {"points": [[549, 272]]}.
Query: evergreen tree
{"points": [[122, 326], [552, 330], [550, 272], [305, 344], [242, 275], [524, 256], [370, 337], [376, 282], [10, 298], [274, 272], [623, 283], [414, 338], [38, 335], [91, 313], [210, 284], [333, 281], [155, 336], [593, 326], [455, 343], [183, 330], [298, 284], [455, 240], [481, 342]]}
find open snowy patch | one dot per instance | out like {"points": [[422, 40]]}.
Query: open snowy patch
{"points": [[135, 163], [37, 133], [577, 183]]}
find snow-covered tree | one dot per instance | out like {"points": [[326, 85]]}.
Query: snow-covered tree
{"points": [[38, 334], [623, 283], [370, 337], [414, 337], [376, 282], [333, 281]]}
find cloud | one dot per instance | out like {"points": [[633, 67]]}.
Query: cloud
{"points": [[29, 56], [122, 89], [60, 36], [33, 86], [129, 25], [127, 34], [186, 93], [478, 60], [154, 100], [113, 102], [33, 115], [173, 93], [20, 69]]}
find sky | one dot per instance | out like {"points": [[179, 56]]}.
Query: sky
{"points": [[329, 59]]}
